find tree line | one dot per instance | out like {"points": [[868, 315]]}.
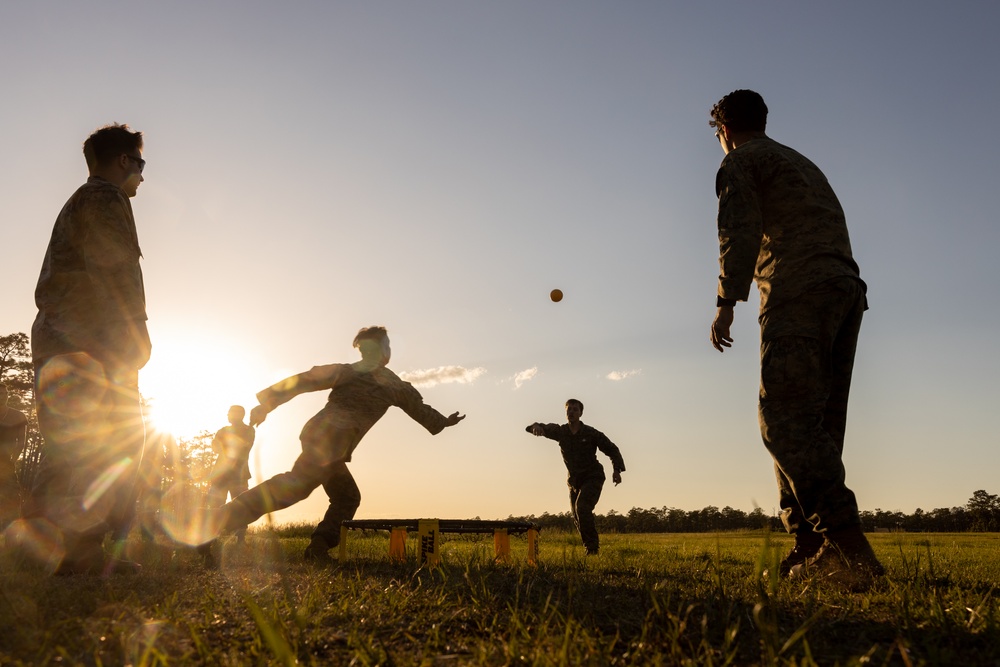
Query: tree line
{"points": [[980, 514], [184, 464]]}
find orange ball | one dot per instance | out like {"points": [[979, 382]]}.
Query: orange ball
{"points": [[556, 295]]}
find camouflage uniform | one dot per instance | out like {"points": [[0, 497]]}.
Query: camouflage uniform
{"points": [[781, 224], [232, 468], [88, 342], [13, 425], [586, 474], [357, 401]]}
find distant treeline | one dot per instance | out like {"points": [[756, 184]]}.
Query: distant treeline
{"points": [[980, 514]]}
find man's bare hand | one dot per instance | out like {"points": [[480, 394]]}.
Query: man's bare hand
{"points": [[453, 419], [616, 478], [720, 328], [536, 429], [258, 415]]}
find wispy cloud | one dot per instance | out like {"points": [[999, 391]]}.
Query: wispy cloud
{"points": [[524, 376], [618, 376], [442, 375]]}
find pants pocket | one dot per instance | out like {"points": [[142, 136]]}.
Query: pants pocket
{"points": [[791, 368]]}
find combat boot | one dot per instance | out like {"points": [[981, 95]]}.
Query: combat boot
{"points": [[846, 559], [807, 544], [209, 559], [317, 553], [86, 556]]}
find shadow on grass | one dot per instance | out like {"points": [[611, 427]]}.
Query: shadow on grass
{"points": [[632, 606]]}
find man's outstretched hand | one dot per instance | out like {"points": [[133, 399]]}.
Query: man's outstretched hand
{"points": [[258, 415], [453, 419]]}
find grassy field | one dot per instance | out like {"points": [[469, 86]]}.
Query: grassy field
{"points": [[665, 599]]}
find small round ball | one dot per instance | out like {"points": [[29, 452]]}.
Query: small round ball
{"points": [[556, 295]]}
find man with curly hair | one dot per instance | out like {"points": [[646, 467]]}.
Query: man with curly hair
{"points": [[360, 394], [781, 224]]}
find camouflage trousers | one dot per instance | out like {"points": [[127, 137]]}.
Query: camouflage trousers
{"points": [[288, 488], [10, 492], [229, 484], [807, 357], [91, 420]]}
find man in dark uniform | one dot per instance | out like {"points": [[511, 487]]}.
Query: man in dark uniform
{"points": [[360, 394], [88, 343], [232, 467], [781, 224], [579, 444]]}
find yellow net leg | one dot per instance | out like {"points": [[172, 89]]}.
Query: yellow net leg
{"points": [[532, 546], [429, 548], [501, 545], [342, 554], [397, 544]]}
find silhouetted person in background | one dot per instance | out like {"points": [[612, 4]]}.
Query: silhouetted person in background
{"points": [[13, 436], [579, 444], [232, 467], [781, 224], [360, 394], [88, 343]]}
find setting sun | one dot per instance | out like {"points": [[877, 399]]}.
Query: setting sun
{"points": [[190, 382]]}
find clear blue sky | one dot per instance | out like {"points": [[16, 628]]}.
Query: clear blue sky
{"points": [[438, 167]]}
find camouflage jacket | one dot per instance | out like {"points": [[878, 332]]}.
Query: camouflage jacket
{"points": [[780, 224], [579, 450], [90, 294], [357, 400], [13, 433], [233, 444]]}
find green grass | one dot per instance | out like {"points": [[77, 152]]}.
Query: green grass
{"points": [[663, 599]]}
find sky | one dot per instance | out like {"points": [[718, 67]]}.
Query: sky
{"points": [[439, 167]]}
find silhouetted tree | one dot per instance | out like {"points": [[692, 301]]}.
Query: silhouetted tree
{"points": [[18, 373], [733, 519], [984, 509], [190, 461], [613, 522], [757, 519], [642, 521], [179, 485]]}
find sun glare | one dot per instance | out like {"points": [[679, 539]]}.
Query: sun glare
{"points": [[189, 384]]}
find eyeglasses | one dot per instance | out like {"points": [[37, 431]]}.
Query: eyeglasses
{"points": [[138, 160]]}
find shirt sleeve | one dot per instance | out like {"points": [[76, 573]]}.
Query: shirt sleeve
{"points": [[315, 379], [550, 431], [740, 229], [111, 252], [412, 403], [611, 450], [218, 442], [96, 290]]}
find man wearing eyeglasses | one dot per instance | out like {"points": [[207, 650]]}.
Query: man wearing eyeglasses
{"points": [[781, 224], [88, 343]]}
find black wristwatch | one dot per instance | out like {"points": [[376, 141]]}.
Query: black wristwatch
{"points": [[721, 301]]}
